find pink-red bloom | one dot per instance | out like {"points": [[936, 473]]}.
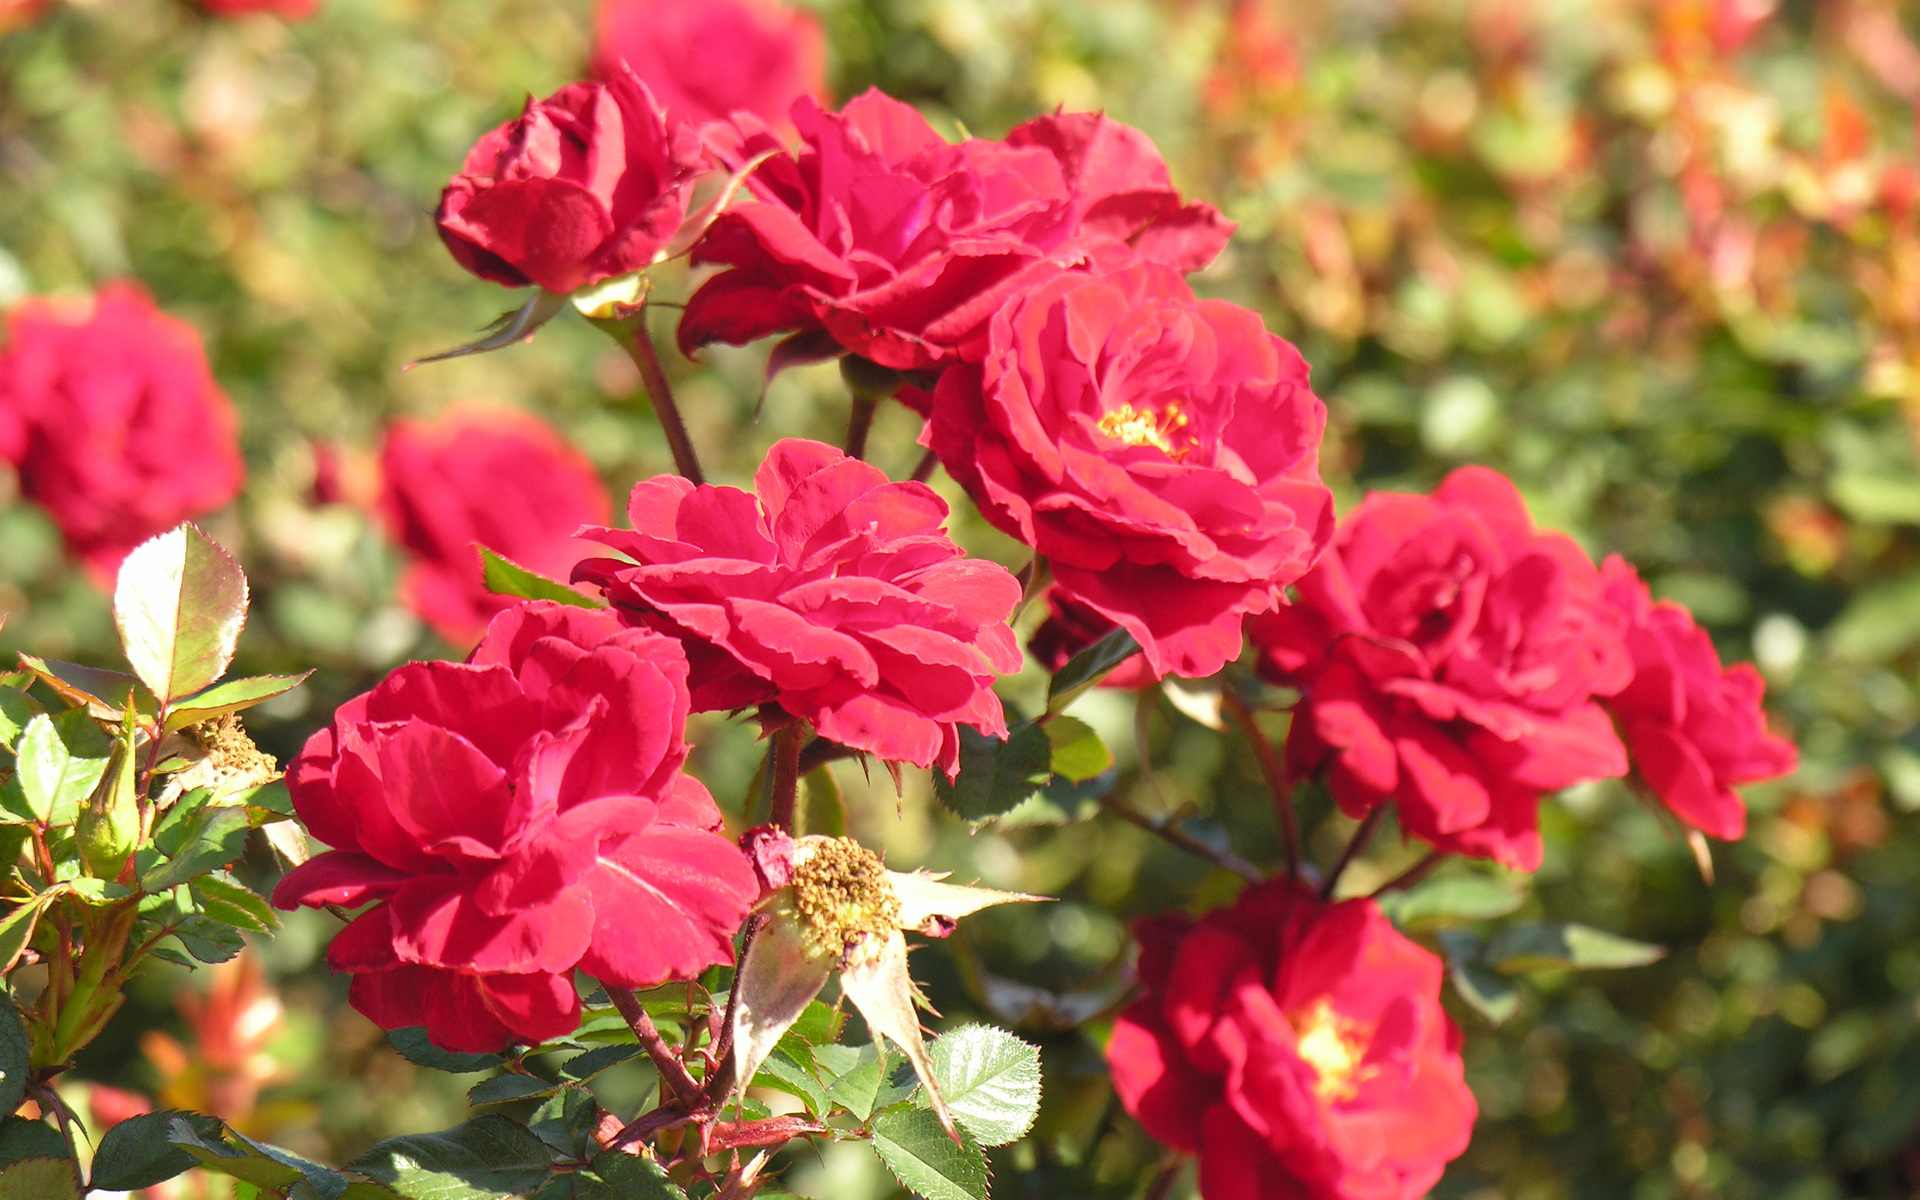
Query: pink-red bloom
{"points": [[1694, 728], [286, 10], [1071, 627], [901, 246], [833, 592], [708, 59], [1162, 452], [585, 185], [510, 819], [1451, 656], [1298, 1048], [482, 477], [111, 415]]}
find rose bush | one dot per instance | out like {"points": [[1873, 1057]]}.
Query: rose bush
{"points": [[708, 59], [482, 477], [1297, 1047], [1161, 452], [900, 246], [831, 591], [114, 422], [510, 819]]}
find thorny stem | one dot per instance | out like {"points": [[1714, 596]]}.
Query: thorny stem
{"points": [[1355, 845], [1173, 835], [1275, 775], [786, 773], [1411, 875], [673, 1072], [923, 470], [637, 340], [720, 1079], [819, 752], [859, 422], [768, 1131]]}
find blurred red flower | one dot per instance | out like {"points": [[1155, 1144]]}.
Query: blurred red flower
{"points": [[110, 412], [482, 477], [708, 59], [1451, 655], [584, 185], [512, 818], [286, 10], [1298, 1048], [901, 246], [1160, 451], [1694, 729], [833, 592]]}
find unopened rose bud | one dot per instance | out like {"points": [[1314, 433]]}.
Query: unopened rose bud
{"points": [[109, 827]]}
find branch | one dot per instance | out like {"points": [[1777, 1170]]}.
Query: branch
{"points": [[1275, 773], [673, 1072], [1173, 835], [786, 773], [1411, 875], [637, 340], [1355, 845]]}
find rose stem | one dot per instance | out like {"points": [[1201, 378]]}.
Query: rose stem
{"points": [[1173, 835], [1412, 875], [1166, 1177], [673, 1072], [1355, 844], [1276, 777], [923, 470], [786, 773], [859, 422], [637, 340]]}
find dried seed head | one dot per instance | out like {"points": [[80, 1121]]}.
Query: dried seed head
{"points": [[230, 761], [842, 896]]}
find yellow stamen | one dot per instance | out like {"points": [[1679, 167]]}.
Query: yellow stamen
{"points": [[1144, 426], [1333, 1046], [843, 897]]}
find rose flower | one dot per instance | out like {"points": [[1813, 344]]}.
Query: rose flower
{"points": [[585, 185], [1298, 1048], [1160, 451], [1694, 729], [708, 59], [1450, 656], [111, 415], [900, 246], [510, 819], [482, 477], [833, 592]]}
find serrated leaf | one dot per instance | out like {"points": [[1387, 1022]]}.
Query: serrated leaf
{"points": [[212, 838], [991, 1081], [139, 1152], [16, 929], [586, 1066], [179, 604], [240, 1157], [615, 1176], [507, 329], [1087, 668], [1538, 945], [995, 775], [504, 577], [853, 1075], [231, 903], [101, 691], [40, 1179], [21, 1138], [502, 1088], [235, 695], [59, 762], [1078, 752], [925, 1160], [16, 709], [15, 1052], [208, 940], [565, 1121], [484, 1159], [782, 1074], [175, 826], [413, 1045], [1451, 900]]}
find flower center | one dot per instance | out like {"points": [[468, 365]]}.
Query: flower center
{"points": [[843, 897], [1333, 1046], [1144, 426]]}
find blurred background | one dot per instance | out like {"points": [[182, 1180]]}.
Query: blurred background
{"points": [[1657, 259]]}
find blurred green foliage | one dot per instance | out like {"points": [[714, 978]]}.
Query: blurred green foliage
{"points": [[1660, 266]]}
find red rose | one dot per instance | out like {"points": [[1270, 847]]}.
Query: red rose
{"points": [[1693, 728], [512, 818], [286, 10], [1160, 451], [1071, 627], [586, 185], [835, 592], [901, 246], [1298, 1048], [115, 422], [1450, 655], [18, 14], [483, 477], [708, 59]]}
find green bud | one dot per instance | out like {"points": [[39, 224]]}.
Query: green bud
{"points": [[109, 827]]}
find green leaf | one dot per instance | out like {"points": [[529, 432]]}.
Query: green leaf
{"points": [[853, 1075], [1539, 945], [219, 896], [104, 692], [1078, 752], [138, 1152], [16, 928], [21, 1138], [40, 1179], [16, 709], [235, 695], [783, 1074], [613, 1176], [1879, 621], [270, 799], [502, 1088], [14, 1056], [925, 1160], [268, 1168], [996, 775], [212, 838], [486, 1158], [171, 831], [1087, 668], [1451, 900], [1485, 991], [179, 605], [566, 1120], [504, 577], [412, 1044], [209, 940], [991, 1081], [586, 1066], [822, 809], [59, 762]]}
